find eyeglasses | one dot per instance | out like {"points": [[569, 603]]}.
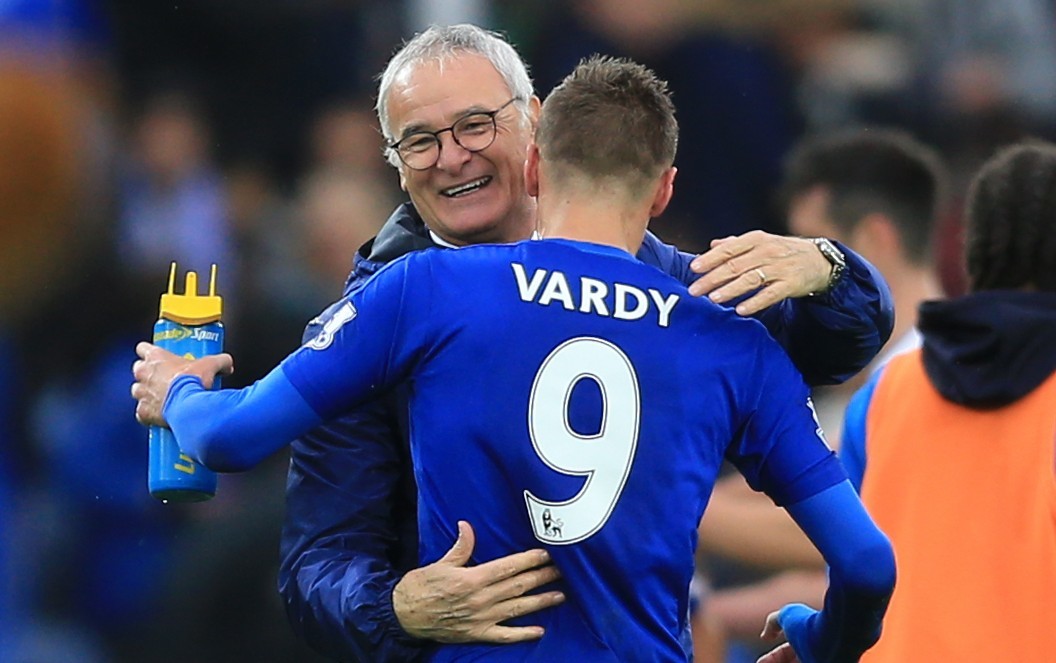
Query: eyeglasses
{"points": [[474, 132]]}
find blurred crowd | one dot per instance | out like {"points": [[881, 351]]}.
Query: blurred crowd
{"points": [[242, 133]]}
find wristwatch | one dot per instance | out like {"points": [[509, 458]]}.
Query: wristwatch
{"points": [[835, 258]]}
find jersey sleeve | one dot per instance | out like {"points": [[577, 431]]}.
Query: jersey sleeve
{"points": [[862, 574], [372, 341], [781, 448], [232, 430]]}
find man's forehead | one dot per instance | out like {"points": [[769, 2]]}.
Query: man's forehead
{"points": [[442, 90]]}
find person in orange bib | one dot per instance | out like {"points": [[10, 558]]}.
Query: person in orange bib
{"points": [[952, 446]]}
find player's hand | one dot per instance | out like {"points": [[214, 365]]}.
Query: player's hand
{"points": [[775, 267], [791, 622], [783, 653], [449, 602], [155, 370]]}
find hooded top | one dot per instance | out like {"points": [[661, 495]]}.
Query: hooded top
{"points": [[988, 349]]}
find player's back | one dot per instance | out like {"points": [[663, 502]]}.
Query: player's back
{"points": [[573, 396]]}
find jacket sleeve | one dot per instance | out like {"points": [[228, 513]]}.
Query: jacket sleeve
{"points": [[342, 543], [829, 337], [349, 532]]}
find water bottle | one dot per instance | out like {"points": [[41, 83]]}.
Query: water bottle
{"points": [[188, 325]]}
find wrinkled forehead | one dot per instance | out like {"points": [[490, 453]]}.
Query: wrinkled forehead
{"points": [[437, 91]]}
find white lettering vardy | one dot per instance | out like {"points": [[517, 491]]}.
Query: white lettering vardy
{"points": [[621, 301]]}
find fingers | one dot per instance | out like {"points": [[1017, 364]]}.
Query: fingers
{"points": [[511, 565], [772, 629], [519, 607], [462, 550], [763, 299], [226, 364], [507, 635], [721, 265], [154, 371], [521, 584], [781, 654], [760, 279], [149, 351], [209, 366], [770, 267], [735, 266]]}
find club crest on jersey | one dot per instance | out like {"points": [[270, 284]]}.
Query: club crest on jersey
{"points": [[344, 314]]}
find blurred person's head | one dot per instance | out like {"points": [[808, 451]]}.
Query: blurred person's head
{"points": [[345, 135], [878, 191], [171, 137], [40, 162], [641, 27], [449, 89], [1011, 220], [606, 132], [340, 212]]}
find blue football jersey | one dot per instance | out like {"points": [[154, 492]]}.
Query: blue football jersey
{"points": [[566, 395]]}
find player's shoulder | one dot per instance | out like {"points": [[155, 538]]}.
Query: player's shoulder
{"points": [[737, 330]]}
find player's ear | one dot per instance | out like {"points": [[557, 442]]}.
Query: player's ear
{"points": [[531, 170], [535, 107], [665, 188]]}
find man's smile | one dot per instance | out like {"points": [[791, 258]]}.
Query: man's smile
{"points": [[466, 188]]}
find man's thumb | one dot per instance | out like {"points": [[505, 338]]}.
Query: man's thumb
{"points": [[460, 553], [211, 366]]}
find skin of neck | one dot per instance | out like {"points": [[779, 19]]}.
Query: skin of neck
{"points": [[607, 212], [910, 285]]}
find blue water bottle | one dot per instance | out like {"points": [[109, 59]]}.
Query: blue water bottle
{"points": [[188, 325]]}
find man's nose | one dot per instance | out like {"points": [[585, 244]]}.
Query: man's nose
{"points": [[452, 155]]}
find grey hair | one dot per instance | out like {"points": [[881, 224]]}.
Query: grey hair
{"points": [[442, 42]]}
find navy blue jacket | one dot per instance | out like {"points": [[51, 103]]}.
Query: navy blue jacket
{"points": [[350, 531]]}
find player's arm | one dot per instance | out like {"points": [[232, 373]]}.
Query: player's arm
{"points": [[781, 452], [352, 361], [830, 336], [861, 580]]}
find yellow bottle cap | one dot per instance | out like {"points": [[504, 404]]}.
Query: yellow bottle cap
{"points": [[190, 308]]}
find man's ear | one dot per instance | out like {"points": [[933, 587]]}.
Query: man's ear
{"points": [[878, 236], [403, 180], [665, 188], [531, 171]]}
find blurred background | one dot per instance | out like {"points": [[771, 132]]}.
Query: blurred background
{"points": [[241, 132]]}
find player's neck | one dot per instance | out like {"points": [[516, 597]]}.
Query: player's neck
{"points": [[910, 286], [594, 221]]}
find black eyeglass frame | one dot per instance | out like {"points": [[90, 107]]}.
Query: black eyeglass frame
{"points": [[395, 147]]}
